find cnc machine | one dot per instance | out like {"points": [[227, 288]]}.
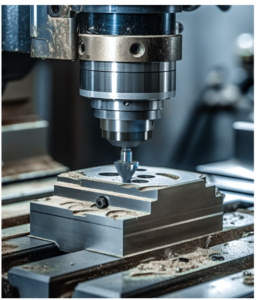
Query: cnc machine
{"points": [[126, 230]]}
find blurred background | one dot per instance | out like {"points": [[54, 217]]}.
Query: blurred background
{"points": [[215, 89]]}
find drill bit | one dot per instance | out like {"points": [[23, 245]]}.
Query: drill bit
{"points": [[125, 166]]}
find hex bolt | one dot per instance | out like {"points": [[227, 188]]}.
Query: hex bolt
{"points": [[102, 202]]}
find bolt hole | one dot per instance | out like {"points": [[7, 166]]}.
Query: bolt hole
{"points": [[137, 50], [55, 9], [108, 174], [146, 176], [140, 181], [81, 48], [141, 170]]}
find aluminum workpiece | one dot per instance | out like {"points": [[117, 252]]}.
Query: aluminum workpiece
{"points": [[93, 209]]}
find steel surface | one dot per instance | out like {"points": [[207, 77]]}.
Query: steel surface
{"points": [[68, 279], [122, 285], [231, 286], [157, 207], [117, 48]]}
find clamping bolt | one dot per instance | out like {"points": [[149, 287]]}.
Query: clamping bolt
{"points": [[102, 202]]}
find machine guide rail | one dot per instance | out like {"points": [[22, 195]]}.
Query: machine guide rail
{"points": [[59, 276], [123, 285]]}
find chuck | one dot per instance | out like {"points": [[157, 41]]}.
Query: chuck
{"points": [[125, 166]]}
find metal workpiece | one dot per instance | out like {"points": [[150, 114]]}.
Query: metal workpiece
{"points": [[130, 48], [157, 207], [51, 36], [124, 285]]}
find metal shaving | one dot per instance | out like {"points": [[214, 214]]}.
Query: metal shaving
{"points": [[8, 248], [249, 280], [208, 241], [198, 258]]}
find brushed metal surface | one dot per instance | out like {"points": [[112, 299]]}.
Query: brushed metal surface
{"points": [[121, 285], [127, 106], [126, 126], [128, 82], [231, 286], [117, 48], [158, 207]]}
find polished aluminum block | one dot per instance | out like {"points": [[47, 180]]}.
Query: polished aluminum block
{"points": [[159, 207]]}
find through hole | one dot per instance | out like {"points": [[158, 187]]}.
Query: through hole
{"points": [[81, 48], [55, 9], [141, 170], [108, 174], [137, 50], [146, 176], [140, 181]]}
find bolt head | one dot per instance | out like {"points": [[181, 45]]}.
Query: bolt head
{"points": [[102, 202]]}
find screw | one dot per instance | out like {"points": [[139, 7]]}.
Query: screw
{"points": [[102, 202]]}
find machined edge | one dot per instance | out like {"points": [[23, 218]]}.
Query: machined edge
{"points": [[118, 48]]}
